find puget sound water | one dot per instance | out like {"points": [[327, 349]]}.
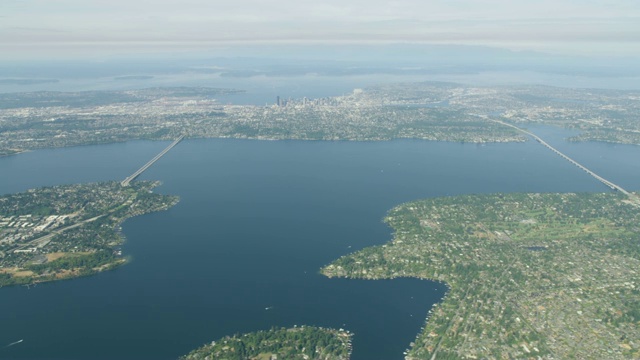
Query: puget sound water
{"points": [[256, 221]]}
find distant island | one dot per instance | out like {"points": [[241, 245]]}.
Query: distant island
{"points": [[69, 231], [543, 276], [429, 111], [133, 77], [299, 343], [27, 81]]}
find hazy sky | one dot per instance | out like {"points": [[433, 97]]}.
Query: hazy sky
{"points": [[86, 27]]}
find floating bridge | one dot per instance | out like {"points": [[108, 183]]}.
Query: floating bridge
{"points": [[132, 177], [582, 167]]}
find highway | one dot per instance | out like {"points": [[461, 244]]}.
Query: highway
{"points": [[582, 167], [44, 240], [131, 177]]}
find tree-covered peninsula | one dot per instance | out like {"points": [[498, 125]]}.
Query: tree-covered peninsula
{"points": [[299, 343], [530, 276], [68, 231]]}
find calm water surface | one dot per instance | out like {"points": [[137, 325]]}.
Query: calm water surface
{"points": [[255, 222]]}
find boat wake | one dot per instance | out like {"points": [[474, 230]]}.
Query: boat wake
{"points": [[15, 343]]}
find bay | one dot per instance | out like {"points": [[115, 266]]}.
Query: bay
{"points": [[256, 220]]}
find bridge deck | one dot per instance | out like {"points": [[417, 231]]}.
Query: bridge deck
{"points": [[582, 167], [131, 177]]}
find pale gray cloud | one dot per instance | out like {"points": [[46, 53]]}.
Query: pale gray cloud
{"points": [[544, 24]]}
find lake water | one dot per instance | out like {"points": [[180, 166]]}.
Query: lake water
{"points": [[256, 221]]}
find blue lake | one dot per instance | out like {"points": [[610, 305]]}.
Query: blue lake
{"points": [[256, 221]]}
